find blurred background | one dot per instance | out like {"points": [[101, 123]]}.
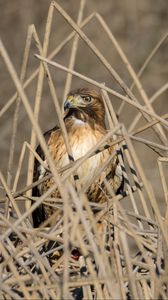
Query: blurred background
{"points": [[137, 25]]}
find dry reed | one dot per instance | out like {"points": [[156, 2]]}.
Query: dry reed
{"points": [[127, 256]]}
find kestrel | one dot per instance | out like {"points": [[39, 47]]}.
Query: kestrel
{"points": [[85, 124]]}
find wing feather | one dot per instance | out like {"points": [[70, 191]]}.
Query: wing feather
{"points": [[38, 214]]}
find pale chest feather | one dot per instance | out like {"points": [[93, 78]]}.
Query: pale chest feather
{"points": [[81, 138]]}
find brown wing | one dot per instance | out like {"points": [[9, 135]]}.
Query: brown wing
{"points": [[38, 215]]}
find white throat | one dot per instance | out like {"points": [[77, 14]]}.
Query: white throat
{"points": [[79, 122]]}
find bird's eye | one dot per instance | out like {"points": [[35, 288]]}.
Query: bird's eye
{"points": [[87, 99]]}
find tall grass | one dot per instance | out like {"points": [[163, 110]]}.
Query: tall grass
{"points": [[122, 250]]}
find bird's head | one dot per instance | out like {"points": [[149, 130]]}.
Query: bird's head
{"points": [[85, 104]]}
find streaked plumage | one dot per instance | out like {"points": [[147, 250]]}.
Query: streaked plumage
{"points": [[85, 124]]}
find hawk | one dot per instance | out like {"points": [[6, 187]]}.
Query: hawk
{"points": [[85, 124]]}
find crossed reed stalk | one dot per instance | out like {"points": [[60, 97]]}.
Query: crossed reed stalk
{"points": [[141, 224]]}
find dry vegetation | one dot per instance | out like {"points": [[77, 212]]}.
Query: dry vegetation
{"points": [[123, 243]]}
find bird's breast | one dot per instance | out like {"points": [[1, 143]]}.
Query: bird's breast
{"points": [[81, 141], [88, 169]]}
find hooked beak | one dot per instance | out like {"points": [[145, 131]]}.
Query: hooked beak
{"points": [[70, 103], [67, 105]]}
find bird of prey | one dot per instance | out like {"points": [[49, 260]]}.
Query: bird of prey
{"points": [[85, 124]]}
